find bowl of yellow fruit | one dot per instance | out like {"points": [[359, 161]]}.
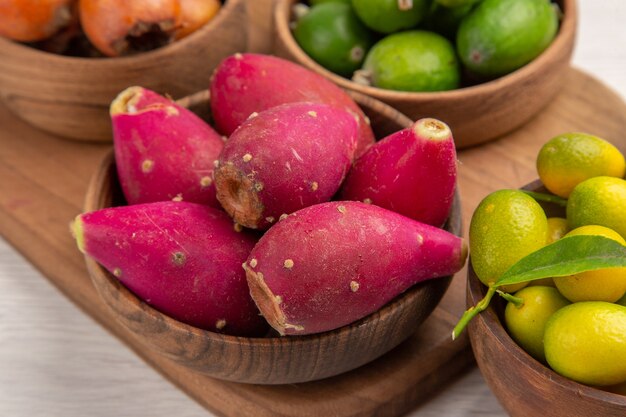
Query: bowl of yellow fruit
{"points": [[548, 282], [484, 67]]}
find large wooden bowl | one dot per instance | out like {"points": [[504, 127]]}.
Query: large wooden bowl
{"points": [[524, 386], [476, 114], [273, 359], [70, 96]]}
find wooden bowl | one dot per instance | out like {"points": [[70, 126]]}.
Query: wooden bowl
{"points": [[476, 114], [270, 360], [524, 386], [70, 96]]}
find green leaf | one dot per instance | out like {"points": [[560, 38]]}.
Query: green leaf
{"points": [[548, 198], [566, 256]]}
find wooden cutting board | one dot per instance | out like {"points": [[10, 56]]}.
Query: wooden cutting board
{"points": [[43, 180]]}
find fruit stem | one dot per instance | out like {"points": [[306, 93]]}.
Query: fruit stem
{"points": [[300, 10], [472, 312], [517, 301], [405, 4], [549, 198], [363, 77]]}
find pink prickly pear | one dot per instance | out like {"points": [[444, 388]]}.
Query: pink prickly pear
{"points": [[162, 150]]}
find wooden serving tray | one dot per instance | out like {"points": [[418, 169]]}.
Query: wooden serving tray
{"points": [[43, 180]]}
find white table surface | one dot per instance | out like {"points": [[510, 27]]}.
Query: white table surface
{"points": [[57, 362]]}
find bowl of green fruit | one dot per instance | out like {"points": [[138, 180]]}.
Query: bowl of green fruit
{"points": [[548, 284], [484, 67]]}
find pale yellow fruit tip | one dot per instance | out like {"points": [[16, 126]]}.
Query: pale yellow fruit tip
{"points": [[76, 229], [432, 129], [125, 101]]}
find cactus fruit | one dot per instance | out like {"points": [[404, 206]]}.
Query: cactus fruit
{"points": [[162, 150], [411, 172], [331, 264], [284, 159], [247, 83], [182, 258]]}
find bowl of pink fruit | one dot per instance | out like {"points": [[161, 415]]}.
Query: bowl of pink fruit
{"points": [[279, 243]]}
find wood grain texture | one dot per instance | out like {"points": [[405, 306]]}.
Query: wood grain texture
{"points": [[70, 96], [509, 370], [260, 32], [39, 172], [271, 360], [476, 114], [58, 362]]}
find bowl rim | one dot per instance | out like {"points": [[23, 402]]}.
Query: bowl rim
{"points": [[564, 36], [493, 325], [15, 47]]}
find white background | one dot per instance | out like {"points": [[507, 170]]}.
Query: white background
{"points": [[56, 362]]}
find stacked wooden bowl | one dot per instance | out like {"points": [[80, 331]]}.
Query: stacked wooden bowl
{"points": [[70, 96], [476, 114]]}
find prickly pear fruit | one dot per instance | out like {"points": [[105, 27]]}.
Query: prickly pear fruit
{"points": [[331, 264], [162, 150], [283, 159], [247, 83], [411, 172], [182, 258]]}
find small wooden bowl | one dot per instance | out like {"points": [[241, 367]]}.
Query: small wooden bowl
{"points": [[524, 386], [476, 114], [70, 96], [270, 360]]}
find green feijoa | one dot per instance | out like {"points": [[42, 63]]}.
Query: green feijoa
{"points": [[316, 2], [412, 61], [388, 16], [500, 36], [457, 3], [446, 20], [334, 37]]}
